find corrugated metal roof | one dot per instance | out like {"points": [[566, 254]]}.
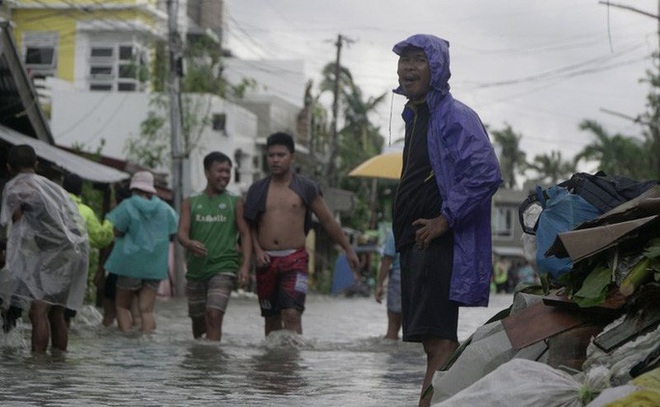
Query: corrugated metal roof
{"points": [[69, 162], [19, 105]]}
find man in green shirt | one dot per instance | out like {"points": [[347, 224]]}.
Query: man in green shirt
{"points": [[209, 226]]}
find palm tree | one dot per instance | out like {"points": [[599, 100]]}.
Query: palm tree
{"points": [[328, 82], [616, 154], [512, 159], [360, 139], [340, 79], [551, 168]]}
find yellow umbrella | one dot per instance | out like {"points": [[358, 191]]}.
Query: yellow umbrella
{"points": [[386, 165]]}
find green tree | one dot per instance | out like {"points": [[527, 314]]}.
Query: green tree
{"points": [[315, 115], [551, 168], [512, 158], [203, 79], [359, 141], [342, 79], [616, 154], [357, 137], [93, 196], [204, 67], [151, 147]]}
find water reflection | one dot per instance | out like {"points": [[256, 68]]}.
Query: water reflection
{"points": [[206, 357], [278, 369]]}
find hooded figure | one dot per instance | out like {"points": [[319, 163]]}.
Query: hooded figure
{"points": [[47, 249], [144, 226], [465, 169]]}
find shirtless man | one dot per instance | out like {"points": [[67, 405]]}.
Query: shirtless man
{"points": [[279, 210]]}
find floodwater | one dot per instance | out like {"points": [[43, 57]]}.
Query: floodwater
{"points": [[341, 360]]}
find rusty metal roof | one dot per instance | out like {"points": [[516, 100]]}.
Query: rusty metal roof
{"points": [[66, 161]]}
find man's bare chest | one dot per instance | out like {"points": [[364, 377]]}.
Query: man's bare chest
{"points": [[283, 199]]}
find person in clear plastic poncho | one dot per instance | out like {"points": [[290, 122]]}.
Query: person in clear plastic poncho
{"points": [[47, 250]]}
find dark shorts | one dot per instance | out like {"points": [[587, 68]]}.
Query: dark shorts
{"points": [[283, 284], [426, 310], [136, 284], [110, 286]]}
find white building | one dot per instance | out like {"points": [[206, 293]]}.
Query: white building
{"points": [[85, 118]]}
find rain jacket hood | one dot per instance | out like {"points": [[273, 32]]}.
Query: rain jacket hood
{"points": [[437, 53], [147, 207], [466, 171]]}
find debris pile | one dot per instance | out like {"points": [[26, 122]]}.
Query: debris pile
{"points": [[590, 336]]}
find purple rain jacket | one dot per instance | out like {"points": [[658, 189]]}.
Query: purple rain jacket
{"points": [[466, 170]]}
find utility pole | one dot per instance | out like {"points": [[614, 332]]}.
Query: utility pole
{"points": [[334, 145], [636, 10], [175, 62]]}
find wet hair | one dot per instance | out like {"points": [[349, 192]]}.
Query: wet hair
{"points": [[410, 48], [216, 156], [21, 156], [281, 139], [73, 183]]}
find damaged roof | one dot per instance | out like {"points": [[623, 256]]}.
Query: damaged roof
{"points": [[64, 160], [22, 120]]}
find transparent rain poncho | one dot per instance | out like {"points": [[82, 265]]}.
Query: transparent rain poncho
{"points": [[47, 247]]}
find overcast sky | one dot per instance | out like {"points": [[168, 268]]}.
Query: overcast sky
{"points": [[541, 66]]}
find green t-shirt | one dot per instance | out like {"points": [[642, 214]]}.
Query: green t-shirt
{"points": [[213, 222]]}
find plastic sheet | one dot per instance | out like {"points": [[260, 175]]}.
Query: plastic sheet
{"points": [[47, 247], [562, 211], [622, 359], [520, 382]]}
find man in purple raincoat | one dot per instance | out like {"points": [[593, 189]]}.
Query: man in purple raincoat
{"points": [[442, 208]]}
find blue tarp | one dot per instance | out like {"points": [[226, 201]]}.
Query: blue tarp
{"points": [[342, 277]]}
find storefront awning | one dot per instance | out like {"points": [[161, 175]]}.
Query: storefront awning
{"points": [[69, 162]]}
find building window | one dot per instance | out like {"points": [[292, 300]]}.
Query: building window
{"points": [[219, 122], [104, 87], [40, 53], [102, 53], [255, 162], [118, 67], [238, 162], [503, 222]]}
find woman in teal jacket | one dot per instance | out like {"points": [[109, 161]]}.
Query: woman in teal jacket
{"points": [[144, 225]]}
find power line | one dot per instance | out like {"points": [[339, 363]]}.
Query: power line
{"points": [[567, 71]]}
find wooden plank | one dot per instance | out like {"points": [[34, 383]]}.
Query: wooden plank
{"points": [[538, 322], [613, 303]]}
